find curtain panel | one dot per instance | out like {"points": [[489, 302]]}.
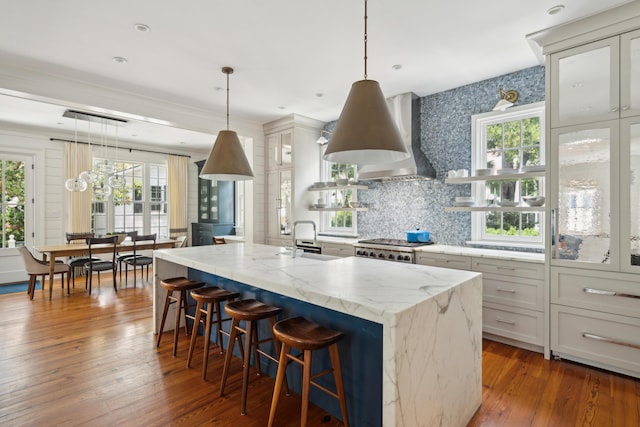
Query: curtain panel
{"points": [[178, 172], [78, 158]]}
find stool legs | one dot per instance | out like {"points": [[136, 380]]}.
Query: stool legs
{"points": [[181, 302], [337, 374], [282, 367], [207, 334]]}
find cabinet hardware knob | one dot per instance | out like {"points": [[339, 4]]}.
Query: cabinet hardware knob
{"points": [[511, 291], [625, 107], [608, 293], [614, 109]]}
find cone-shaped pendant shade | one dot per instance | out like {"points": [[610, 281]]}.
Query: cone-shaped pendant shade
{"points": [[365, 133], [227, 161]]}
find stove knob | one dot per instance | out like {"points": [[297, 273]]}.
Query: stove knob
{"points": [[406, 258], [391, 256], [381, 255], [360, 253], [372, 254]]}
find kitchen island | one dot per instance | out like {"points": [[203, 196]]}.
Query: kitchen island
{"points": [[416, 329]]}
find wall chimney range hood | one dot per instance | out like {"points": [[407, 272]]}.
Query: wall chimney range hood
{"points": [[405, 110]]}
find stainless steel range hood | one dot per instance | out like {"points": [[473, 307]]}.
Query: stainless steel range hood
{"points": [[405, 109]]}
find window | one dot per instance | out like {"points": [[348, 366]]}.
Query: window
{"points": [[12, 189], [144, 185], [340, 221], [508, 140]]}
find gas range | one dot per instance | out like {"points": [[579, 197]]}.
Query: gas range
{"points": [[388, 249]]}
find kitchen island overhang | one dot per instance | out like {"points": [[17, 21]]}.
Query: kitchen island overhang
{"points": [[430, 317]]}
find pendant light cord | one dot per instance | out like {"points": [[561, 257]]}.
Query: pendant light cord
{"points": [[227, 101], [365, 39]]}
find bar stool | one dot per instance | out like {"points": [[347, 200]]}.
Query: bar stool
{"points": [[181, 285], [306, 336], [212, 297], [250, 311]]}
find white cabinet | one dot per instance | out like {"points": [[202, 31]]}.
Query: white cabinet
{"points": [[596, 81], [293, 164], [594, 157], [513, 303]]}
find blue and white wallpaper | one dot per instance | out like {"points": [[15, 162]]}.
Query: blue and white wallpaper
{"points": [[395, 207]]}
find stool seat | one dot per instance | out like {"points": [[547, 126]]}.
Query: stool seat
{"points": [[251, 309], [212, 297], [212, 294], [181, 285], [302, 334]]}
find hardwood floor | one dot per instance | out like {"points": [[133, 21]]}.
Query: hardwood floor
{"points": [[83, 360]]}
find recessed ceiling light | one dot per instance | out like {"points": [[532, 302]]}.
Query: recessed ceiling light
{"points": [[119, 59], [218, 88], [143, 28], [282, 107], [60, 123], [319, 95], [555, 9], [396, 66], [183, 143]]}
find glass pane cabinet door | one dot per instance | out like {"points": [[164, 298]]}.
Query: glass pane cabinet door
{"points": [[585, 83], [285, 202], [585, 198], [633, 238], [630, 74]]}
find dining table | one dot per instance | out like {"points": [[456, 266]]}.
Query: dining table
{"points": [[51, 252]]}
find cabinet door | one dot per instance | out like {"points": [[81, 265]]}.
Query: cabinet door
{"points": [[630, 74], [630, 199], [584, 83], [279, 150], [285, 210], [273, 203], [585, 210]]}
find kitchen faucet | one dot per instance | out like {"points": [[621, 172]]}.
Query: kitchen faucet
{"points": [[315, 235]]}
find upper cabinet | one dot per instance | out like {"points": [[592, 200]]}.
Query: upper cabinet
{"points": [[596, 81], [279, 149], [293, 164]]}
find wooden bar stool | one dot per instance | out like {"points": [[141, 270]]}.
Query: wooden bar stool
{"points": [[249, 311], [181, 285], [306, 336], [212, 297]]}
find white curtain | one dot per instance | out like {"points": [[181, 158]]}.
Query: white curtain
{"points": [[78, 158], [178, 168]]}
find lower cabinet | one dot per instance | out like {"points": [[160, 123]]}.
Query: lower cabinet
{"points": [[595, 318], [337, 249], [512, 296]]}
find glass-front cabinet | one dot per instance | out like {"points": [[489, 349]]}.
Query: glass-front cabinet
{"points": [[279, 215], [596, 81], [630, 199], [585, 179]]}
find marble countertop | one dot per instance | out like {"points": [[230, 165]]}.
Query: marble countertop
{"points": [[485, 253], [366, 288]]}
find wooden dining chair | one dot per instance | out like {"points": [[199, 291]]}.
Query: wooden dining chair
{"points": [[102, 264], [37, 268], [125, 255], [138, 259]]}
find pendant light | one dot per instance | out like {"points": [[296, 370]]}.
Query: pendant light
{"points": [[365, 132], [227, 161], [75, 184]]}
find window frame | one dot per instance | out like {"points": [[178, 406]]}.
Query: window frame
{"points": [[327, 216], [479, 124], [28, 202]]}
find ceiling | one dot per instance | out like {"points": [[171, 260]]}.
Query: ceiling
{"points": [[289, 56]]}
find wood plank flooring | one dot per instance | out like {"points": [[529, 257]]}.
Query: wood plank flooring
{"points": [[91, 360]]}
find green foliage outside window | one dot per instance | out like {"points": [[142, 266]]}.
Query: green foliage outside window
{"points": [[12, 190]]}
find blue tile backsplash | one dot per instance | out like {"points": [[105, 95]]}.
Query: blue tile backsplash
{"points": [[395, 207]]}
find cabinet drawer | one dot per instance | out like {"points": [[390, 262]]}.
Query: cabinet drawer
{"points": [[603, 338], [514, 323], [512, 291], [530, 270], [337, 249], [617, 293], [442, 260]]}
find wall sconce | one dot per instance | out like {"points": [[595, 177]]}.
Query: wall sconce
{"points": [[507, 99], [322, 140]]}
